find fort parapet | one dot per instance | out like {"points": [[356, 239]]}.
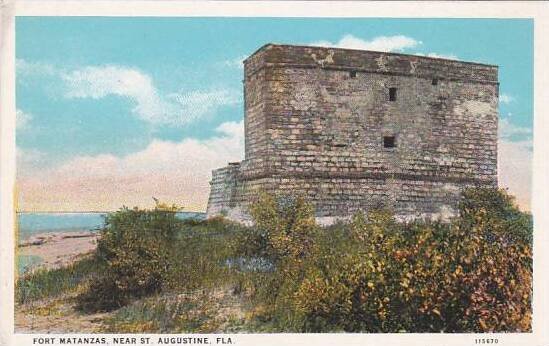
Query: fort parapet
{"points": [[352, 129]]}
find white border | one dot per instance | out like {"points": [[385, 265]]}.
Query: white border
{"points": [[539, 11], [7, 169]]}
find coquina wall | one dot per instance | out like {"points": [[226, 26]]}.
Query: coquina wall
{"points": [[354, 129]]}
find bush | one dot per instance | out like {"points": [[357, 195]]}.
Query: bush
{"points": [[285, 227], [201, 255], [284, 234], [500, 211], [145, 252], [377, 275], [372, 274], [135, 246]]}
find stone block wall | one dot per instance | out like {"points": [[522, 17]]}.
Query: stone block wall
{"points": [[320, 122]]}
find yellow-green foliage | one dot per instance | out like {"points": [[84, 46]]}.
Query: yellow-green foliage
{"points": [[145, 252], [288, 225], [135, 246], [472, 275], [372, 274], [285, 233]]}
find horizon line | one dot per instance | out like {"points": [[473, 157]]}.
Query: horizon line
{"points": [[86, 211]]}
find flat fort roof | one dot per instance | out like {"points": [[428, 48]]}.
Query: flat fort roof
{"points": [[267, 45]]}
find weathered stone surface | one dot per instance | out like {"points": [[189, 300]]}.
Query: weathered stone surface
{"points": [[315, 122]]}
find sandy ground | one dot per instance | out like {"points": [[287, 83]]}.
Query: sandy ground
{"points": [[59, 248], [56, 316], [59, 315]]}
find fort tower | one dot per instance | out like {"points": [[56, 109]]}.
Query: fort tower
{"points": [[353, 129]]}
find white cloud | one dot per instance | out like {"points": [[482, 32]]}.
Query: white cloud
{"points": [[95, 82], [397, 43], [174, 109], [507, 130], [381, 43], [176, 172], [99, 81], [22, 119], [29, 161], [442, 56], [515, 161], [515, 169], [237, 62], [439, 56], [24, 68], [506, 98], [198, 103]]}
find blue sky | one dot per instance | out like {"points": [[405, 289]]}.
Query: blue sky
{"points": [[106, 90]]}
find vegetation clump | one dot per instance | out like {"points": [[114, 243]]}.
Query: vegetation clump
{"points": [[288, 274], [135, 248], [377, 275]]}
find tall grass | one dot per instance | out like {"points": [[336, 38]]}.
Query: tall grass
{"points": [[146, 252], [198, 311], [201, 250], [44, 283]]}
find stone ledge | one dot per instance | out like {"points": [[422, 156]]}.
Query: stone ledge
{"points": [[367, 175]]}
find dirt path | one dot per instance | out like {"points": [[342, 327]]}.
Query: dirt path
{"points": [[218, 311], [56, 316]]}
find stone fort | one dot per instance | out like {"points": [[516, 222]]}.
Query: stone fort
{"points": [[354, 129]]}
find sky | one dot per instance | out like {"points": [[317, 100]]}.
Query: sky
{"points": [[113, 111]]}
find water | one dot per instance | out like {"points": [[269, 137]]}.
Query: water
{"points": [[27, 262], [35, 223]]}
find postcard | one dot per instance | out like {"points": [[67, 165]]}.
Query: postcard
{"points": [[243, 173]]}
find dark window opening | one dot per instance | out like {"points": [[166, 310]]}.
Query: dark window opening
{"points": [[392, 94], [352, 74], [389, 142], [434, 81]]}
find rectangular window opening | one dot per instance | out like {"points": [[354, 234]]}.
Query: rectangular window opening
{"points": [[392, 94], [434, 81], [389, 142], [352, 74]]}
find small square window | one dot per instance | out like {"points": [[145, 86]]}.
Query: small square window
{"points": [[389, 142], [392, 94], [352, 74], [434, 81]]}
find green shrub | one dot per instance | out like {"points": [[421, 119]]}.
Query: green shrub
{"points": [[286, 226], [135, 246], [145, 252], [284, 233], [372, 274], [378, 275], [501, 212], [201, 254], [428, 277]]}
